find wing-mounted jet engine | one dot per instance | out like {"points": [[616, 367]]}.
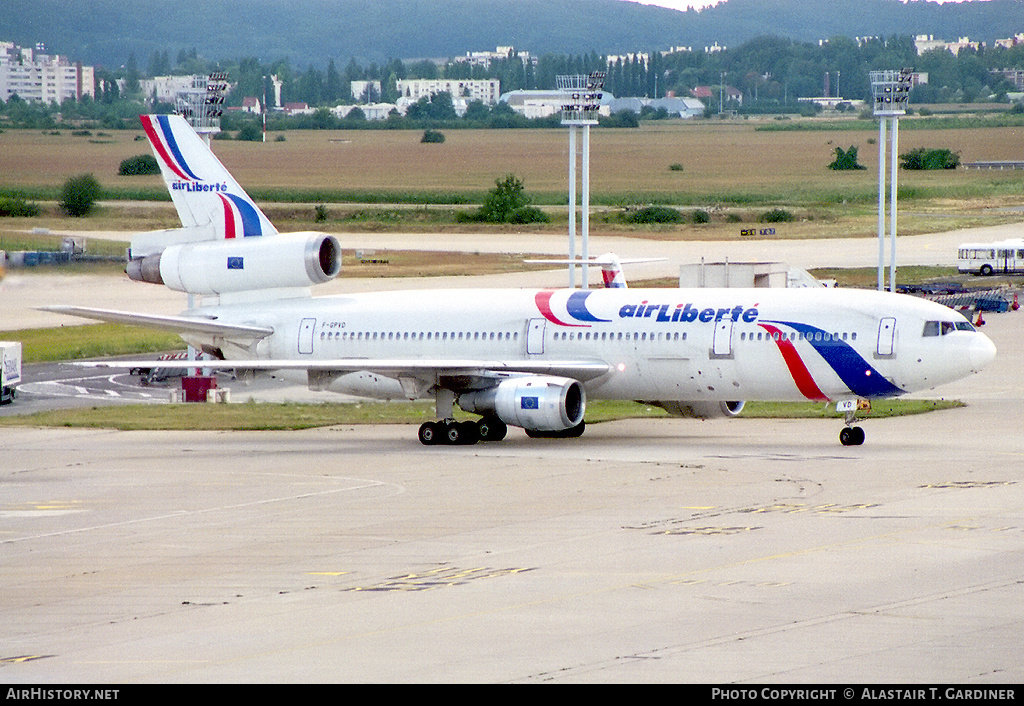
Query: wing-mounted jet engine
{"points": [[707, 409]]}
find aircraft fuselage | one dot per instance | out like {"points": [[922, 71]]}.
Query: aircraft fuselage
{"points": [[658, 344]]}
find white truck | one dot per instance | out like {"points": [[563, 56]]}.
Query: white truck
{"points": [[10, 370]]}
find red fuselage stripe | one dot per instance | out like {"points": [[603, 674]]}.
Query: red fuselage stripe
{"points": [[801, 375]]}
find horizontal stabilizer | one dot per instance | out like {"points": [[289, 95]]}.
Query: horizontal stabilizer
{"points": [[176, 324], [610, 264]]}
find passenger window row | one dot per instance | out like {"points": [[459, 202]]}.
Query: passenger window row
{"points": [[418, 336], [617, 336], [798, 336]]}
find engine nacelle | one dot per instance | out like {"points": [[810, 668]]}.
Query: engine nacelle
{"points": [[701, 410], [242, 264], [538, 402]]}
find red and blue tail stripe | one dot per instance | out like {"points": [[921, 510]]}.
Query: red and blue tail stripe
{"points": [[158, 130], [240, 217]]}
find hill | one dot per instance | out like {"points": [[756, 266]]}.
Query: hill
{"points": [[107, 32]]}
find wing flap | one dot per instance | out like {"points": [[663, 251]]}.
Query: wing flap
{"points": [[579, 370]]}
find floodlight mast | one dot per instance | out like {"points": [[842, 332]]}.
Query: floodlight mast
{"points": [[580, 108], [891, 93], [203, 104]]}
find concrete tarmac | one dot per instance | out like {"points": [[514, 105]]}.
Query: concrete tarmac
{"points": [[724, 551]]}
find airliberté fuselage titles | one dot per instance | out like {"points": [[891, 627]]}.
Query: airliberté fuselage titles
{"points": [[519, 357]]}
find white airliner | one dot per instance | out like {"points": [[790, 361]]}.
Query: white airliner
{"points": [[526, 358]]}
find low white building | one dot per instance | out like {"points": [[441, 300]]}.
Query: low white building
{"points": [[371, 111], [541, 104], [486, 58], [165, 89], [39, 77], [676, 107], [928, 42]]}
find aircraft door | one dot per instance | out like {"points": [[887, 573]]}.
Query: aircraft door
{"points": [[887, 336], [535, 336], [307, 327], [722, 345]]}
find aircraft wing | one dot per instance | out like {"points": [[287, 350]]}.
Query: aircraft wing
{"points": [[396, 368], [476, 372], [176, 324]]}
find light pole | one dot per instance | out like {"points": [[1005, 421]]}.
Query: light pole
{"points": [[891, 92], [579, 110], [203, 104]]}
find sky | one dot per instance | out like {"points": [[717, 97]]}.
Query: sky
{"points": [[683, 4], [679, 4]]}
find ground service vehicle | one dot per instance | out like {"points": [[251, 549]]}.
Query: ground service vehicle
{"points": [[1004, 257], [10, 370]]}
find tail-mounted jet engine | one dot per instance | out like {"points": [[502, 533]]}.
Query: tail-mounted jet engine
{"points": [[242, 264]]}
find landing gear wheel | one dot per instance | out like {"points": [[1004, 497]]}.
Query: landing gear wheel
{"points": [[468, 433], [460, 433], [449, 433], [851, 436], [429, 433], [491, 429]]}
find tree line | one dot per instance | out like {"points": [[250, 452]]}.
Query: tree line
{"points": [[771, 73], [765, 70]]}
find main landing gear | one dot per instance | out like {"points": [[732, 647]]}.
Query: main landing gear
{"points": [[450, 432], [850, 435], [453, 433]]}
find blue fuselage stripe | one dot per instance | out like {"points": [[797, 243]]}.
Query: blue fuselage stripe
{"points": [[855, 372]]}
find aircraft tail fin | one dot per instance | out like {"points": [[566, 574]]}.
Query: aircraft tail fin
{"points": [[611, 271], [206, 196]]}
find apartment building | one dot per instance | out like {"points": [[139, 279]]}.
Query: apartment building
{"points": [[487, 91], [36, 76]]}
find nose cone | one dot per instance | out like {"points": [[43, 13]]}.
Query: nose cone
{"points": [[982, 352]]}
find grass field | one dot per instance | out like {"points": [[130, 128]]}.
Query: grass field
{"points": [[390, 181], [272, 417], [722, 163]]}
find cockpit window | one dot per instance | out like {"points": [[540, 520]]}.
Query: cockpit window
{"points": [[941, 328]]}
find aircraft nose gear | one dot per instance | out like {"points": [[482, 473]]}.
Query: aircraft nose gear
{"points": [[850, 435]]}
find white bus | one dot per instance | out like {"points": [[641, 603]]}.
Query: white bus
{"points": [[1005, 257]]}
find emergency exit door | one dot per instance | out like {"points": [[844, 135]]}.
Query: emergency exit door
{"points": [[887, 336], [307, 327]]}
